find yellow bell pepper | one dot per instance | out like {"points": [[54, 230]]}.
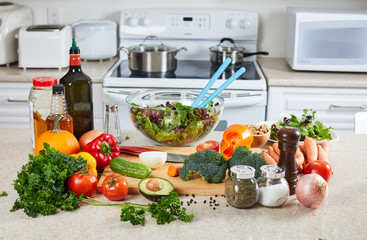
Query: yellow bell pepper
{"points": [[91, 161]]}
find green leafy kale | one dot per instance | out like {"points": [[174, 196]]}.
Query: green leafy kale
{"points": [[243, 156], [42, 185], [166, 210], [307, 126], [210, 164]]}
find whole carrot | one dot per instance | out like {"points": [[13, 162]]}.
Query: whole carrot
{"points": [[268, 158], [310, 149]]}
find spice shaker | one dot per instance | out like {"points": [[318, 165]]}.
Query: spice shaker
{"points": [[273, 187], [112, 122], [288, 138], [241, 188]]}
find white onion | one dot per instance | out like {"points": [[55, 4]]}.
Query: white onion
{"points": [[153, 159], [311, 190]]}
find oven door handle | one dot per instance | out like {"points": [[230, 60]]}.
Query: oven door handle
{"points": [[115, 96], [245, 101]]}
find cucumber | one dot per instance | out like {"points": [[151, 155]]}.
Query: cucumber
{"points": [[130, 169]]}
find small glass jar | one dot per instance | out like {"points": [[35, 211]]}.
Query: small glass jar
{"points": [[273, 187], [241, 188], [112, 122]]}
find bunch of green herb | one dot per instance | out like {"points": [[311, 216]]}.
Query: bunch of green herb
{"points": [[42, 183], [3, 194], [307, 125], [166, 210], [175, 123]]}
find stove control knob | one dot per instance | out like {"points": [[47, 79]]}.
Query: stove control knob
{"points": [[145, 22], [244, 24], [231, 23], [131, 21]]}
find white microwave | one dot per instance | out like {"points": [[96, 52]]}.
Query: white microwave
{"points": [[326, 40]]}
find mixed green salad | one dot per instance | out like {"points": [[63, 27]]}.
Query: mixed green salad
{"points": [[175, 123], [307, 125]]}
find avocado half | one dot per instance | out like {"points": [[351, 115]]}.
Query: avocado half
{"points": [[155, 188]]}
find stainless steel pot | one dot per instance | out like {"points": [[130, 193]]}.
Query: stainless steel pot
{"points": [[152, 58], [219, 53]]}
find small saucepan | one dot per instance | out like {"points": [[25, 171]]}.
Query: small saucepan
{"points": [[219, 53], [152, 58]]}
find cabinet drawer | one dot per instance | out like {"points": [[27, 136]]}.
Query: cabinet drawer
{"points": [[14, 110], [334, 106]]}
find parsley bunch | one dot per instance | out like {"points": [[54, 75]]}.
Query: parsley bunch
{"points": [[166, 210], [42, 183]]}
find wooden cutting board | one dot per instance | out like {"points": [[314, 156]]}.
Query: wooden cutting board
{"points": [[195, 186]]}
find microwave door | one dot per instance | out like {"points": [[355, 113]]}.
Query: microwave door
{"points": [[333, 45]]}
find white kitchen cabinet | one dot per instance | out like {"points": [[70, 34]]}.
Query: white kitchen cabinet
{"points": [[334, 107], [14, 110]]}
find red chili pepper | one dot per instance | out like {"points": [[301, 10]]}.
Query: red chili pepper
{"points": [[103, 149]]}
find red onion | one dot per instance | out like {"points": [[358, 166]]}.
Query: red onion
{"points": [[311, 190]]}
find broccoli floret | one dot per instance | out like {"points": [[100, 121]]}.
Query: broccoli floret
{"points": [[210, 164], [243, 156]]}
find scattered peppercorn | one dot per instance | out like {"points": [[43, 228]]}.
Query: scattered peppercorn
{"points": [[187, 195], [194, 202], [216, 195], [213, 208], [204, 201], [226, 205], [193, 195]]}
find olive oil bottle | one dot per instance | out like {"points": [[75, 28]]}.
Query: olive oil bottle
{"points": [[78, 94]]}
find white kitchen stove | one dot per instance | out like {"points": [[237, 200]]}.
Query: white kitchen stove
{"points": [[196, 30]]}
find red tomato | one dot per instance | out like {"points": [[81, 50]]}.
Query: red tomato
{"points": [[323, 168], [213, 145], [83, 183], [115, 187]]}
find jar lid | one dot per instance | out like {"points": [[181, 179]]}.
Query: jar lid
{"points": [[243, 171], [272, 171], [111, 108], [44, 81]]}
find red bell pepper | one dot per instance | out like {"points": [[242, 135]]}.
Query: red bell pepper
{"points": [[103, 149]]}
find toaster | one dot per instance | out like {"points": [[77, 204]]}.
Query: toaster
{"points": [[44, 46], [12, 18]]}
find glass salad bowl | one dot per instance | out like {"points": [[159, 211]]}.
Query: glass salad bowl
{"points": [[167, 117]]}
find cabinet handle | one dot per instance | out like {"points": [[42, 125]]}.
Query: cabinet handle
{"points": [[361, 107], [11, 100]]}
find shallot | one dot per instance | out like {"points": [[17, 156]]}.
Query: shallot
{"points": [[311, 190]]}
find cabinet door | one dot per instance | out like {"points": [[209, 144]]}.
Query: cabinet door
{"points": [[14, 109], [334, 107]]}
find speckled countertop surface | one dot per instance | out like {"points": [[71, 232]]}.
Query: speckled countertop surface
{"points": [[279, 74], [342, 217], [94, 69]]}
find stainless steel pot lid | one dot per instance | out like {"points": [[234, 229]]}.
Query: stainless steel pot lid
{"points": [[143, 47], [220, 48]]}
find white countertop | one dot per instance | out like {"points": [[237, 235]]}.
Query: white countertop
{"points": [[94, 69], [342, 217], [279, 74]]}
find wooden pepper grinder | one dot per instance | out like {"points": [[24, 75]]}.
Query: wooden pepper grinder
{"points": [[288, 138]]}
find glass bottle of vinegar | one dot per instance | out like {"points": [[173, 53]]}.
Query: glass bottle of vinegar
{"points": [[78, 94]]}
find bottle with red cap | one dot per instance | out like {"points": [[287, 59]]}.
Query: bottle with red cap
{"points": [[39, 105]]}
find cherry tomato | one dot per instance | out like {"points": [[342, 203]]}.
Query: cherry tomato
{"points": [[115, 187], [213, 145], [323, 168], [82, 182]]}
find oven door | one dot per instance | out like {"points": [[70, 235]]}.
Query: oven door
{"points": [[240, 106]]}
